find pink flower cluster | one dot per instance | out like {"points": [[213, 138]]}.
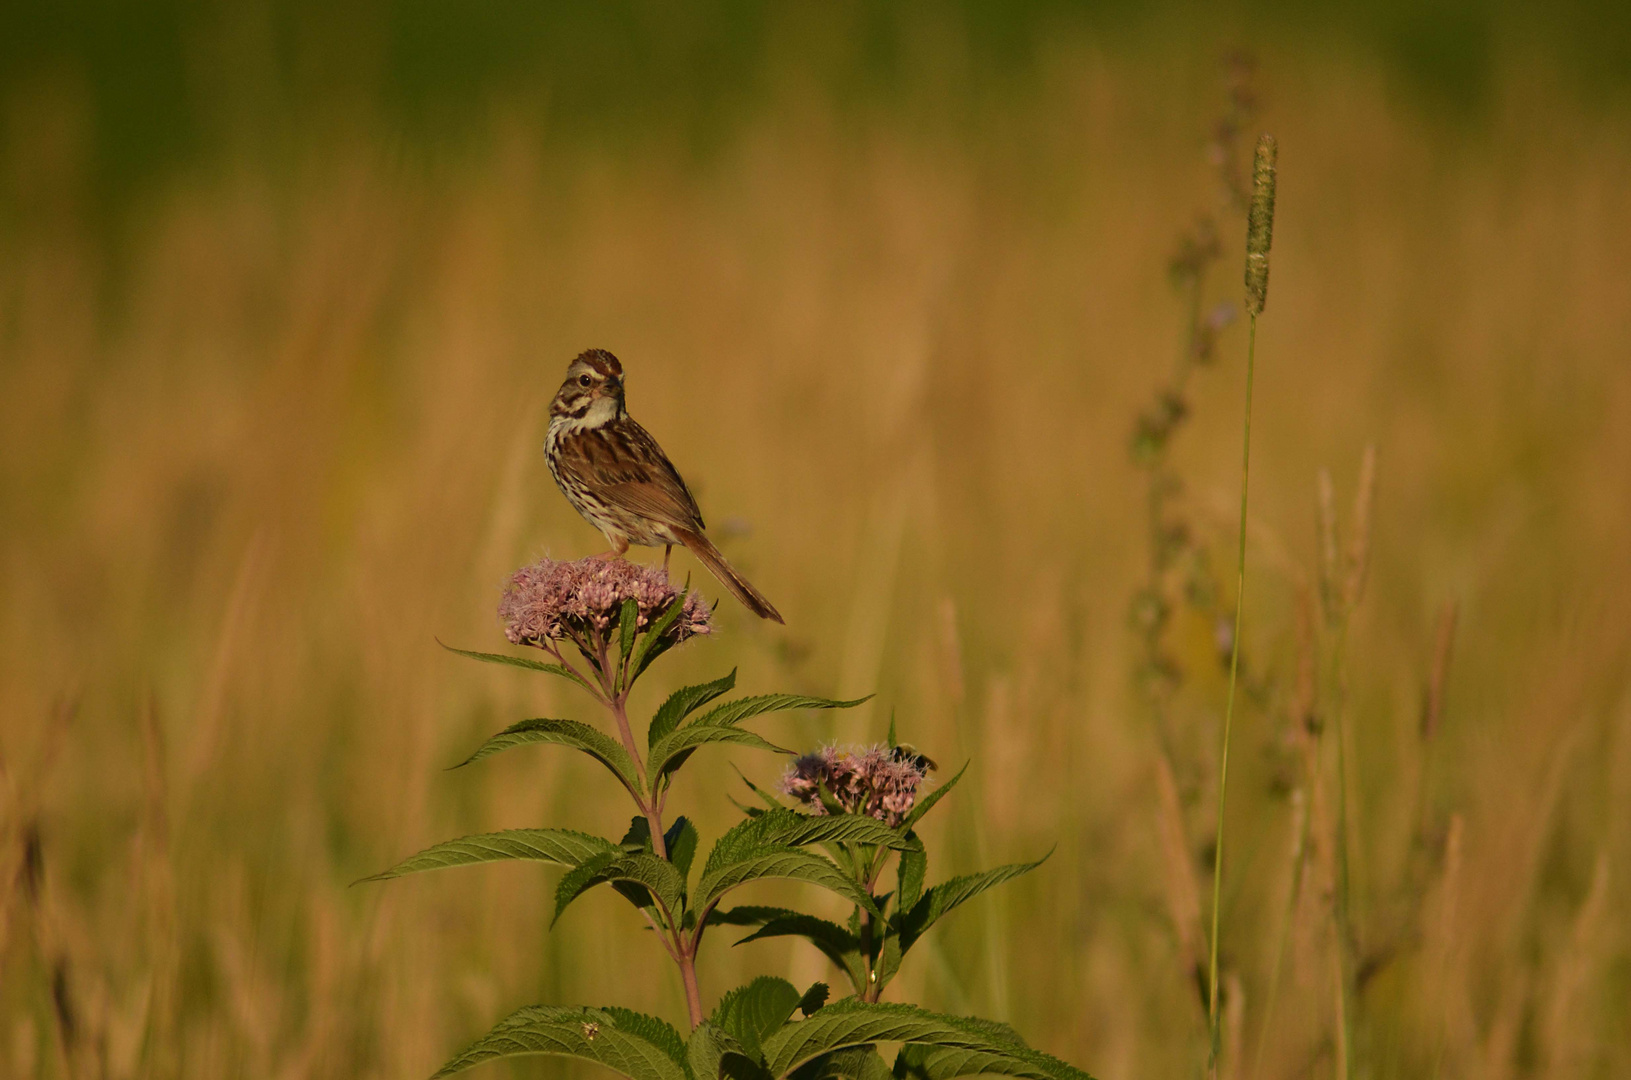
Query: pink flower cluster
{"points": [[874, 780], [551, 600]]}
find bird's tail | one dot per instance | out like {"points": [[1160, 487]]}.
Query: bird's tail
{"points": [[740, 587]]}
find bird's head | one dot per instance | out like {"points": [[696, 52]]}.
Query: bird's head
{"points": [[593, 391]]}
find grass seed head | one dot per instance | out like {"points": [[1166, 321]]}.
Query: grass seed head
{"points": [[1260, 225]]}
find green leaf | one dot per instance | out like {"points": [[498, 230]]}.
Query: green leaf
{"points": [[767, 846], [944, 897], [651, 644], [653, 651], [655, 1030], [671, 750], [524, 662], [639, 1047], [1009, 1056], [747, 915], [925, 804], [734, 712], [591, 740], [836, 943], [684, 701], [851, 1063], [780, 862], [562, 847], [887, 964], [917, 1061], [584, 877], [628, 622], [751, 1012], [829, 801], [715, 1054], [814, 998], [681, 841], [640, 869], [764, 796], [637, 837], [853, 1023], [784, 826], [910, 871]]}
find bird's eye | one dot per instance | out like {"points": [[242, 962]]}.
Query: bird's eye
{"points": [[584, 380]]}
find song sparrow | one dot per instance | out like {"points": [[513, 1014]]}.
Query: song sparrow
{"points": [[619, 479]]}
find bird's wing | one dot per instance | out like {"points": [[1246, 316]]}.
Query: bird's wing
{"points": [[627, 468]]}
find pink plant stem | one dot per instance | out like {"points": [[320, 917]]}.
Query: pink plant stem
{"points": [[568, 665], [648, 804], [657, 928], [617, 705], [682, 951], [693, 994]]}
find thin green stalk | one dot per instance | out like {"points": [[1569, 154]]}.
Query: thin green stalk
{"points": [[1213, 1014]]}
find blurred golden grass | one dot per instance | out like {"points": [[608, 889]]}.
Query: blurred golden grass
{"points": [[250, 471]]}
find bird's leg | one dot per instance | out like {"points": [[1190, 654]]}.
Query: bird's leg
{"points": [[668, 549], [620, 547]]}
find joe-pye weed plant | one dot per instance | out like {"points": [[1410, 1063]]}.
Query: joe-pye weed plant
{"points": [[602, 624]]}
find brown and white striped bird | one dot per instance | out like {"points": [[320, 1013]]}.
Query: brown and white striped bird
{"points": [[619, 479]]}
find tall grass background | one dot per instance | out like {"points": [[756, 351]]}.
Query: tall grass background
{"points": [[270, 424]]}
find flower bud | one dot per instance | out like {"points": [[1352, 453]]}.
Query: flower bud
{"points": [[878, 781], [1260, 225], [553, 601]]}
